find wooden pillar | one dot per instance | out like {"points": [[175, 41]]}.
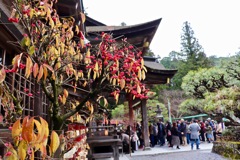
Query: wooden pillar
{"points": [[131, 113], [145, 125], [38, 107]]}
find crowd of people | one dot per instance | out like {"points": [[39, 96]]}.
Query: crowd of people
{"points": [[185, 132], [176, 134]]}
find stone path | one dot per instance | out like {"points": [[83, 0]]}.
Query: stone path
{"points": [[167, 153], [190, 155]]}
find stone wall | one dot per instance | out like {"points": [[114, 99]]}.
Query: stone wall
{"points": [[227, 149]]}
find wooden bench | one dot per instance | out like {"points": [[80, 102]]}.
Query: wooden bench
{"points": [[113, 143], [101, 155]]}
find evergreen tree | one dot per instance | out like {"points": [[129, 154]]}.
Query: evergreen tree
{"points": [[192, 56]]}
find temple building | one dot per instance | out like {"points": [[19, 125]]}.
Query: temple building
{"points": [[139, 35]]}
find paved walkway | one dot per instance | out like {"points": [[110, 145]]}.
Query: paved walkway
{"points": [[165, 149], [157, 150]]}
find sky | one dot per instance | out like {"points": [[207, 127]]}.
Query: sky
{"points": [[216, 23]]}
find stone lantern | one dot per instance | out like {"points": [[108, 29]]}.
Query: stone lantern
{"points": [[159, 113]]}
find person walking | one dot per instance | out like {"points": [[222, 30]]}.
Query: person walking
{"points": [[202, 131], [139, 134], [155, 132], [161, 132], [188, 133], [183, 132], [151, 131], [214, 130], [179, 128], [220, 129], [209, 133], [175, 135], [169, 133], [194, 129]]}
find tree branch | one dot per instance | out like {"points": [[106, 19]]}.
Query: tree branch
{"points": [[79, 107]]}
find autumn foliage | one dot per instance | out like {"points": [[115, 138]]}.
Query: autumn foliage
{"points": [[75, 76], [31, 135]]}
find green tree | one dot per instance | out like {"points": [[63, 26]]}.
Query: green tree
{"points": [[171, 62], [196, 83], [149, 53], [214, 91], [192, 55]]}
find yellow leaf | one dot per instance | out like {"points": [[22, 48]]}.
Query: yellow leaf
{"points": [[40, 74], [51, 23], [31, 13], [114, 81], [31, 50], [22, 150], [139, 74], [142, 62], [48, 67], [44, 125], [138, 89], [27, 41], [40, 131], [28, 69], [35, 70], [64, 99], [94, 75], [96, 67], [73, 106], [45, 73], [71, 119], [57, 66], [76, 29], [91, 109], [55, 142], [105, 102], [145, 69], [16, 130], [122, 83], [87, 57], [57, 41], [79, 118], [65, 92], [48, 13], [85, 83], [116, 97], [143, 75], [83, 17], [89, 73], [27, 130], [2, 75]]}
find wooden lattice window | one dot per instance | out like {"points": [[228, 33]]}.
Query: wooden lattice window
{"points": [[33, 100]]}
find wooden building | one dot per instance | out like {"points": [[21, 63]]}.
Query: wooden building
{"points": [[139, 35]]}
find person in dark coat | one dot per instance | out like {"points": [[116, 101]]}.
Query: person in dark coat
{"points": [[169, 133], [183, 132], [151, 137], [139, 134], [175, 135], [161, 132], [155, 133], [202, 131]]}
